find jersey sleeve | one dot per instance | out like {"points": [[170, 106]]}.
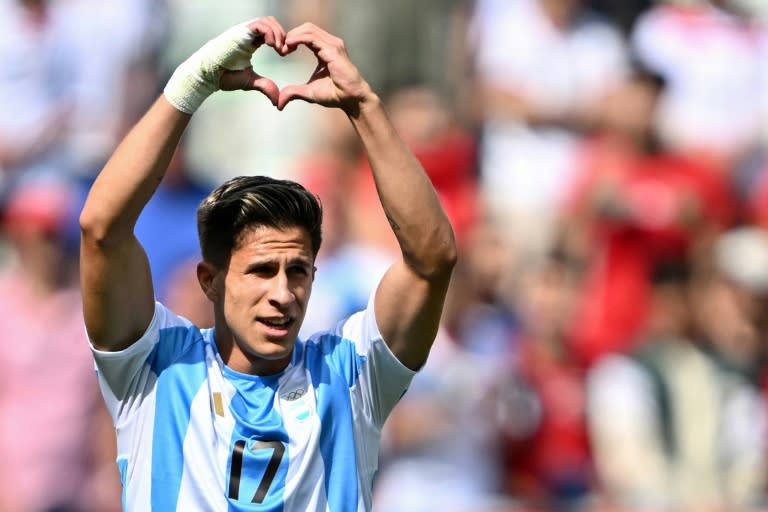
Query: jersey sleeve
{"points": [[373, 372], [126, 376]]}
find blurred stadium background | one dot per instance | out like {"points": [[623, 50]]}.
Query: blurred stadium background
{"points": [[604, 164]]}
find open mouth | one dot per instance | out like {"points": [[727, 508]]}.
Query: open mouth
{"points": [[277, 323]]}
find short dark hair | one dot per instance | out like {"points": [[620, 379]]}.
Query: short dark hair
{"points": [[248, 202]]}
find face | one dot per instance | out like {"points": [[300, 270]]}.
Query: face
{"points": [[630, 108], [261, 298]]}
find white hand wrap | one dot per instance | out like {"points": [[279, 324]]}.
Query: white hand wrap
{"points": [[198, 77]]}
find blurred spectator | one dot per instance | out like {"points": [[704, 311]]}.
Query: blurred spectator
{"points": [[714, 62], [479, 311], [542, 69], [38, 77], [55, 456], [399, 43], [547, 456], [74, 73], [117, 45], [623, 13], [634, 203], [680, 424]]}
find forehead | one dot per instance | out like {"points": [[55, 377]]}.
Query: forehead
{"points": [[264, 242]]}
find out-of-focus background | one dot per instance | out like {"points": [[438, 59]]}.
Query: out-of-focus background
{"points": [[604, 164]]}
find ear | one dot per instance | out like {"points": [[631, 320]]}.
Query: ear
{"points": [[206, 276]]}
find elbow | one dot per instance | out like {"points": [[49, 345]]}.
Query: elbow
{"points": [[439, 254], [448, 254], [91, 229], [96, 229]]}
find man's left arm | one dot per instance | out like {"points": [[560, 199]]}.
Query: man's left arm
{"points": [[409, 299]]}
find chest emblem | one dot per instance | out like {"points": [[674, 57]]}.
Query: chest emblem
{"points": [[296, 404]]}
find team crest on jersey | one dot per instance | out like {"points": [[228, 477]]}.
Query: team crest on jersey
{"points": [[296, 403]]}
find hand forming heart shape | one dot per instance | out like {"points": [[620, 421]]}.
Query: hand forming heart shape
{"points": [[335, 81], [249, 80]]}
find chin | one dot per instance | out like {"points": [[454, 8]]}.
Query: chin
{"points": [[274, 350]]}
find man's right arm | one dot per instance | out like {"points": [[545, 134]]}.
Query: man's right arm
{"points": [[118, 298]]}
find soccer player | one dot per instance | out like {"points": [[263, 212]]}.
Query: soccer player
{"points": [[245, 416]]}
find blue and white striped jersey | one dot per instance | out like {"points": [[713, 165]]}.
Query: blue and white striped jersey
{"points": [[194, 435]]}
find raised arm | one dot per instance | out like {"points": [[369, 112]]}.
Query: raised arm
{"points": [[409, 299], [118, 299]]}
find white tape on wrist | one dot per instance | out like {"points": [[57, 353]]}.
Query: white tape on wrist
{"points": [[198, 77]]}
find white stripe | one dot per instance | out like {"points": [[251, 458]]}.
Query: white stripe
{"points": [[134, 442], [367, 436], [202, 481], [306, 470]]}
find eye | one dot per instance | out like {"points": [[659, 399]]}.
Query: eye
{"points": [[299, 270], [261, 269]]}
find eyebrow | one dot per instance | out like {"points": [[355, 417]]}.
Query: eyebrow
{"points": [[306, 262], [268, 261]]}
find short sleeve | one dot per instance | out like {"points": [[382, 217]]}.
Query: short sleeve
{"points": [[375, 373], [125, 375]]}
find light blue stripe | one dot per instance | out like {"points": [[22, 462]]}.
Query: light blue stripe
{"points": [[257, 421], [335, 366], [122, 467], [339, 353], [178, 360]]}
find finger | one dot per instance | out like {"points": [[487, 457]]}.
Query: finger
{"points": [[321, 71], [259, 25], [267, 87], [293, 92], [248, 80], [271, 29], [313, 37], [287, 49], [312, 31]]}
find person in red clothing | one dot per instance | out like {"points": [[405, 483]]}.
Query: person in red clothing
{"points": [[634, 204], [547, 456]]}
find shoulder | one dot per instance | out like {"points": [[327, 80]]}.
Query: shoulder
{"points": [[167, 337], [359, 328]]}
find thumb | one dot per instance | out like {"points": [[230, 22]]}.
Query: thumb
{"points": [[293, 92], [249, 80]]}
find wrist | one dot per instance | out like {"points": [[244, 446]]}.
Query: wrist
{"points": [[198, 77], [365, 104], [185, 91]]}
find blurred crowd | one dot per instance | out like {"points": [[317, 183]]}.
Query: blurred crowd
{"points": [[604, 164]]}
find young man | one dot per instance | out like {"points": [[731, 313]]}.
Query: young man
{"points": [[244, 416]]}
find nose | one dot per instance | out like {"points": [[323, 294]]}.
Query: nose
{"points": [[280, 293]]}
